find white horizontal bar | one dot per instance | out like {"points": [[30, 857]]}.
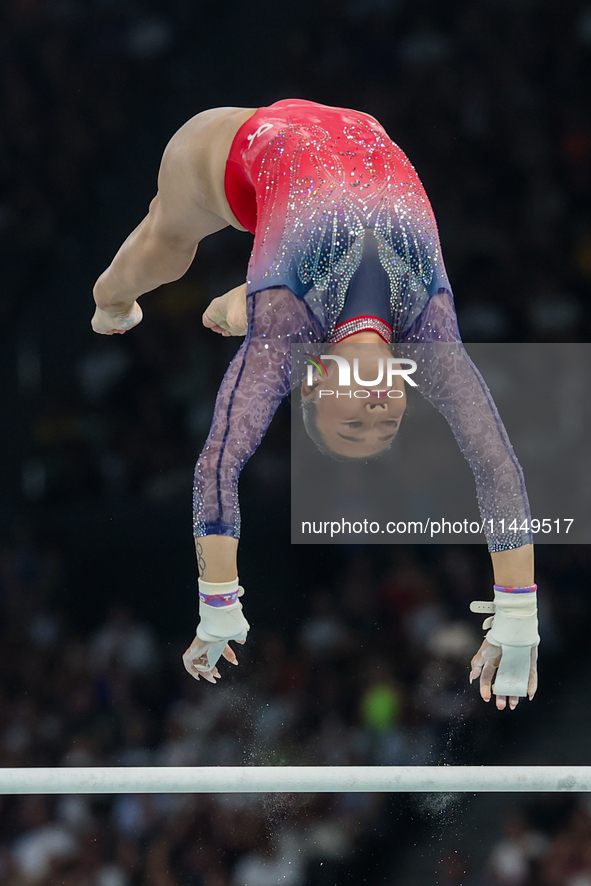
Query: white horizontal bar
{"points": [[292, 779]]}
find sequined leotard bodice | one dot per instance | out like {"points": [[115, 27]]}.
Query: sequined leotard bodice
{"points": [[343, 230]]}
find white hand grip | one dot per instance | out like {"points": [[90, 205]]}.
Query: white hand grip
{"points": [[513, 672], [515, 620], [215, 651], [219, 624]]}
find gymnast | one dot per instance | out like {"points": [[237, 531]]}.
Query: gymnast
{"points": [[346, 252]]}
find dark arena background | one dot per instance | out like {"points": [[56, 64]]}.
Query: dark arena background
{"points": [[357, 654]]}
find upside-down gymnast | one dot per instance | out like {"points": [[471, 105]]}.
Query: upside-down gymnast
{"points": [[346, 251]]}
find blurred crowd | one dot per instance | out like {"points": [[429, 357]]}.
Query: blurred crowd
{"points": [[545, 844], [489, 99], [374, 673]]}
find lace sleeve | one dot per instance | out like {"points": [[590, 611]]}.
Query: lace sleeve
{"points": [[255, 383], [450, 381]]}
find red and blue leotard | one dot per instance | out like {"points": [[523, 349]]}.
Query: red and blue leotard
{"points": [[344, 239]]}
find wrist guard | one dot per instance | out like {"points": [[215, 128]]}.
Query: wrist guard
{"points": [[514, 627], [220, 611]]}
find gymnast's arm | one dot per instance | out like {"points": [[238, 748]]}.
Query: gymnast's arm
{"points": [[163, 245], [256, 381], [450, 381]]}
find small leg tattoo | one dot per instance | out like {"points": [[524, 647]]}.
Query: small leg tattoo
{"points": [[200, 558]]}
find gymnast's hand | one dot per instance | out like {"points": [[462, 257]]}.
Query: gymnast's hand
{"points": [[484, 666], [227, 314], [196, 655], [113, 322]]}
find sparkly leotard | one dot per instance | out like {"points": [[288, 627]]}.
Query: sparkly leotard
{"points": [[345, 239]]}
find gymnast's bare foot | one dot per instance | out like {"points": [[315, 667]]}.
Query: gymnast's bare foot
{"points": [[227, 314], [113, 322]]}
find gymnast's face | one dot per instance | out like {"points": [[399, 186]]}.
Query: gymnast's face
{"points": [[364, 423]]}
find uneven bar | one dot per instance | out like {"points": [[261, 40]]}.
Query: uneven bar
{"points": [[293, 779]]}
